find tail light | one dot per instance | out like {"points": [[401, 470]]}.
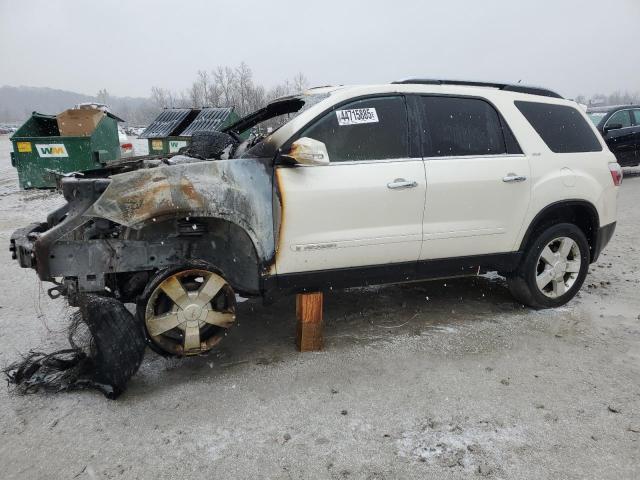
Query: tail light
{"points": [[616, 173], [129, 146]]}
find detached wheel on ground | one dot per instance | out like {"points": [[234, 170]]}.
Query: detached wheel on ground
{"points": [[187, 311], [553, 269]]}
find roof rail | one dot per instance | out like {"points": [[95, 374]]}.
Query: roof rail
{"points": [[470, 83]]}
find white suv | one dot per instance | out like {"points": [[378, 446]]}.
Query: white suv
{"points": [[360, 185]]}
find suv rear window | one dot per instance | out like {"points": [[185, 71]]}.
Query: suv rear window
{"points": [[562, 128]]}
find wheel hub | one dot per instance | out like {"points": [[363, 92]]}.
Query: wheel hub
{"points": [[559, 269], [192, 312]]}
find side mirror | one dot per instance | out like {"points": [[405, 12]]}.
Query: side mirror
{"points": [[307, 151], [612, 126]]}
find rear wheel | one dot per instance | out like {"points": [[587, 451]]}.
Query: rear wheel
{"points": [[553, 268], [187, 311]]}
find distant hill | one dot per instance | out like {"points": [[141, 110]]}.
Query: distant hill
{"points": [[17, 104]]}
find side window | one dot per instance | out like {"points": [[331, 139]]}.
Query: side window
{"points": [[368, 129], [623, 117], [561, 127], [636, 117], [461, 126]]}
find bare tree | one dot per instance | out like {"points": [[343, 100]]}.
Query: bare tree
{"points": [[244, 87], [256, 98], [183, 100], [103, 96], [200, 91], [205, 85], [195, 95], [225, 80], [162, 97], [300, 82]]}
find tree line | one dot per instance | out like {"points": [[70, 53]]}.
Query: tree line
{"points": [[615, 98], [226, 86], [223, 86]]}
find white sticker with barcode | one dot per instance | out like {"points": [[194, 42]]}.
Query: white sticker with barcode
{"points": [[356, 116]]}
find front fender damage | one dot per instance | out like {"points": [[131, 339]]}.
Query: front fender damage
{"points": [[154, 218], [237, 190]]}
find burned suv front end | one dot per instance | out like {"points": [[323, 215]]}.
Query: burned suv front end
{"points": [[213, 202], [51, 248], [114, 233], [178, 235]]}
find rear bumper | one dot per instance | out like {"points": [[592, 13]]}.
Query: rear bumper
{"points": [[602, 239]]}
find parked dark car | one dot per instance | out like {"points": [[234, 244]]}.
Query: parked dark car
{"points": [[620, 127]]}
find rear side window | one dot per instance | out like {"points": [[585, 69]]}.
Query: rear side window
{"points": [[368, 129], [636, 117], [562, 128], [460, 127]]}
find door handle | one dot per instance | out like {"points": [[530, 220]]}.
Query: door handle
{"points": [[512, 177], [401, 183]]}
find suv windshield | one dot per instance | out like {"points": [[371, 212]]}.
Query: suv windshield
{"points": [[308, 101], [263, 122]]}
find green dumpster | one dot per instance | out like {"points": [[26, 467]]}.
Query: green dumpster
{"points": [[76, 140], [174, 127]]}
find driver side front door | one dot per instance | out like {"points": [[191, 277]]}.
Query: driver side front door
{"points": [[362, 209]]}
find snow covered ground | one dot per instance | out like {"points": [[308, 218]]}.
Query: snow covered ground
{"points": [[449, 379]]}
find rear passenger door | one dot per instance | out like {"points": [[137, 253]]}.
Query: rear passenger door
{"points": [[477, 178]]}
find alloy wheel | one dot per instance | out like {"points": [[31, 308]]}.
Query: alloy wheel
{"points": [[558, 267], [189, 312]]}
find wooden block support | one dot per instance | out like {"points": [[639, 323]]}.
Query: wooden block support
{"points": [[309, 329]]}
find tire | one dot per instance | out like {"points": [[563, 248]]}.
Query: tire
{"points": [[118, 343], [168, 342], [564, 274]]}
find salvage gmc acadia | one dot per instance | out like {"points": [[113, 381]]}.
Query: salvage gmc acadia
{"points": [[360, 185]]}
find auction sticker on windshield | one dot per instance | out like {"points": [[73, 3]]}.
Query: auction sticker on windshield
{"points": [[356, 116]]}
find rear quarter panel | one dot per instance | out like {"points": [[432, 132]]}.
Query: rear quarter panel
{"points": [[561, 176]]}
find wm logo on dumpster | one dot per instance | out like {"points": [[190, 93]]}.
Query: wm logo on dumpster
{"points": [[176, 145], [52, 150]]}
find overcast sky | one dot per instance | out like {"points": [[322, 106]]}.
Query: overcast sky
{"points": [[573, 46]]}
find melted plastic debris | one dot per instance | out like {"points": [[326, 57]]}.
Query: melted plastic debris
{"points": [[107, 346]]}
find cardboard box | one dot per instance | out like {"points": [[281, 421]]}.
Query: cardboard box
{"points": [[78, 122]]}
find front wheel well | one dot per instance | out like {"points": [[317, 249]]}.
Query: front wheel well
{"points": [[577, 212], [213, 240]]}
